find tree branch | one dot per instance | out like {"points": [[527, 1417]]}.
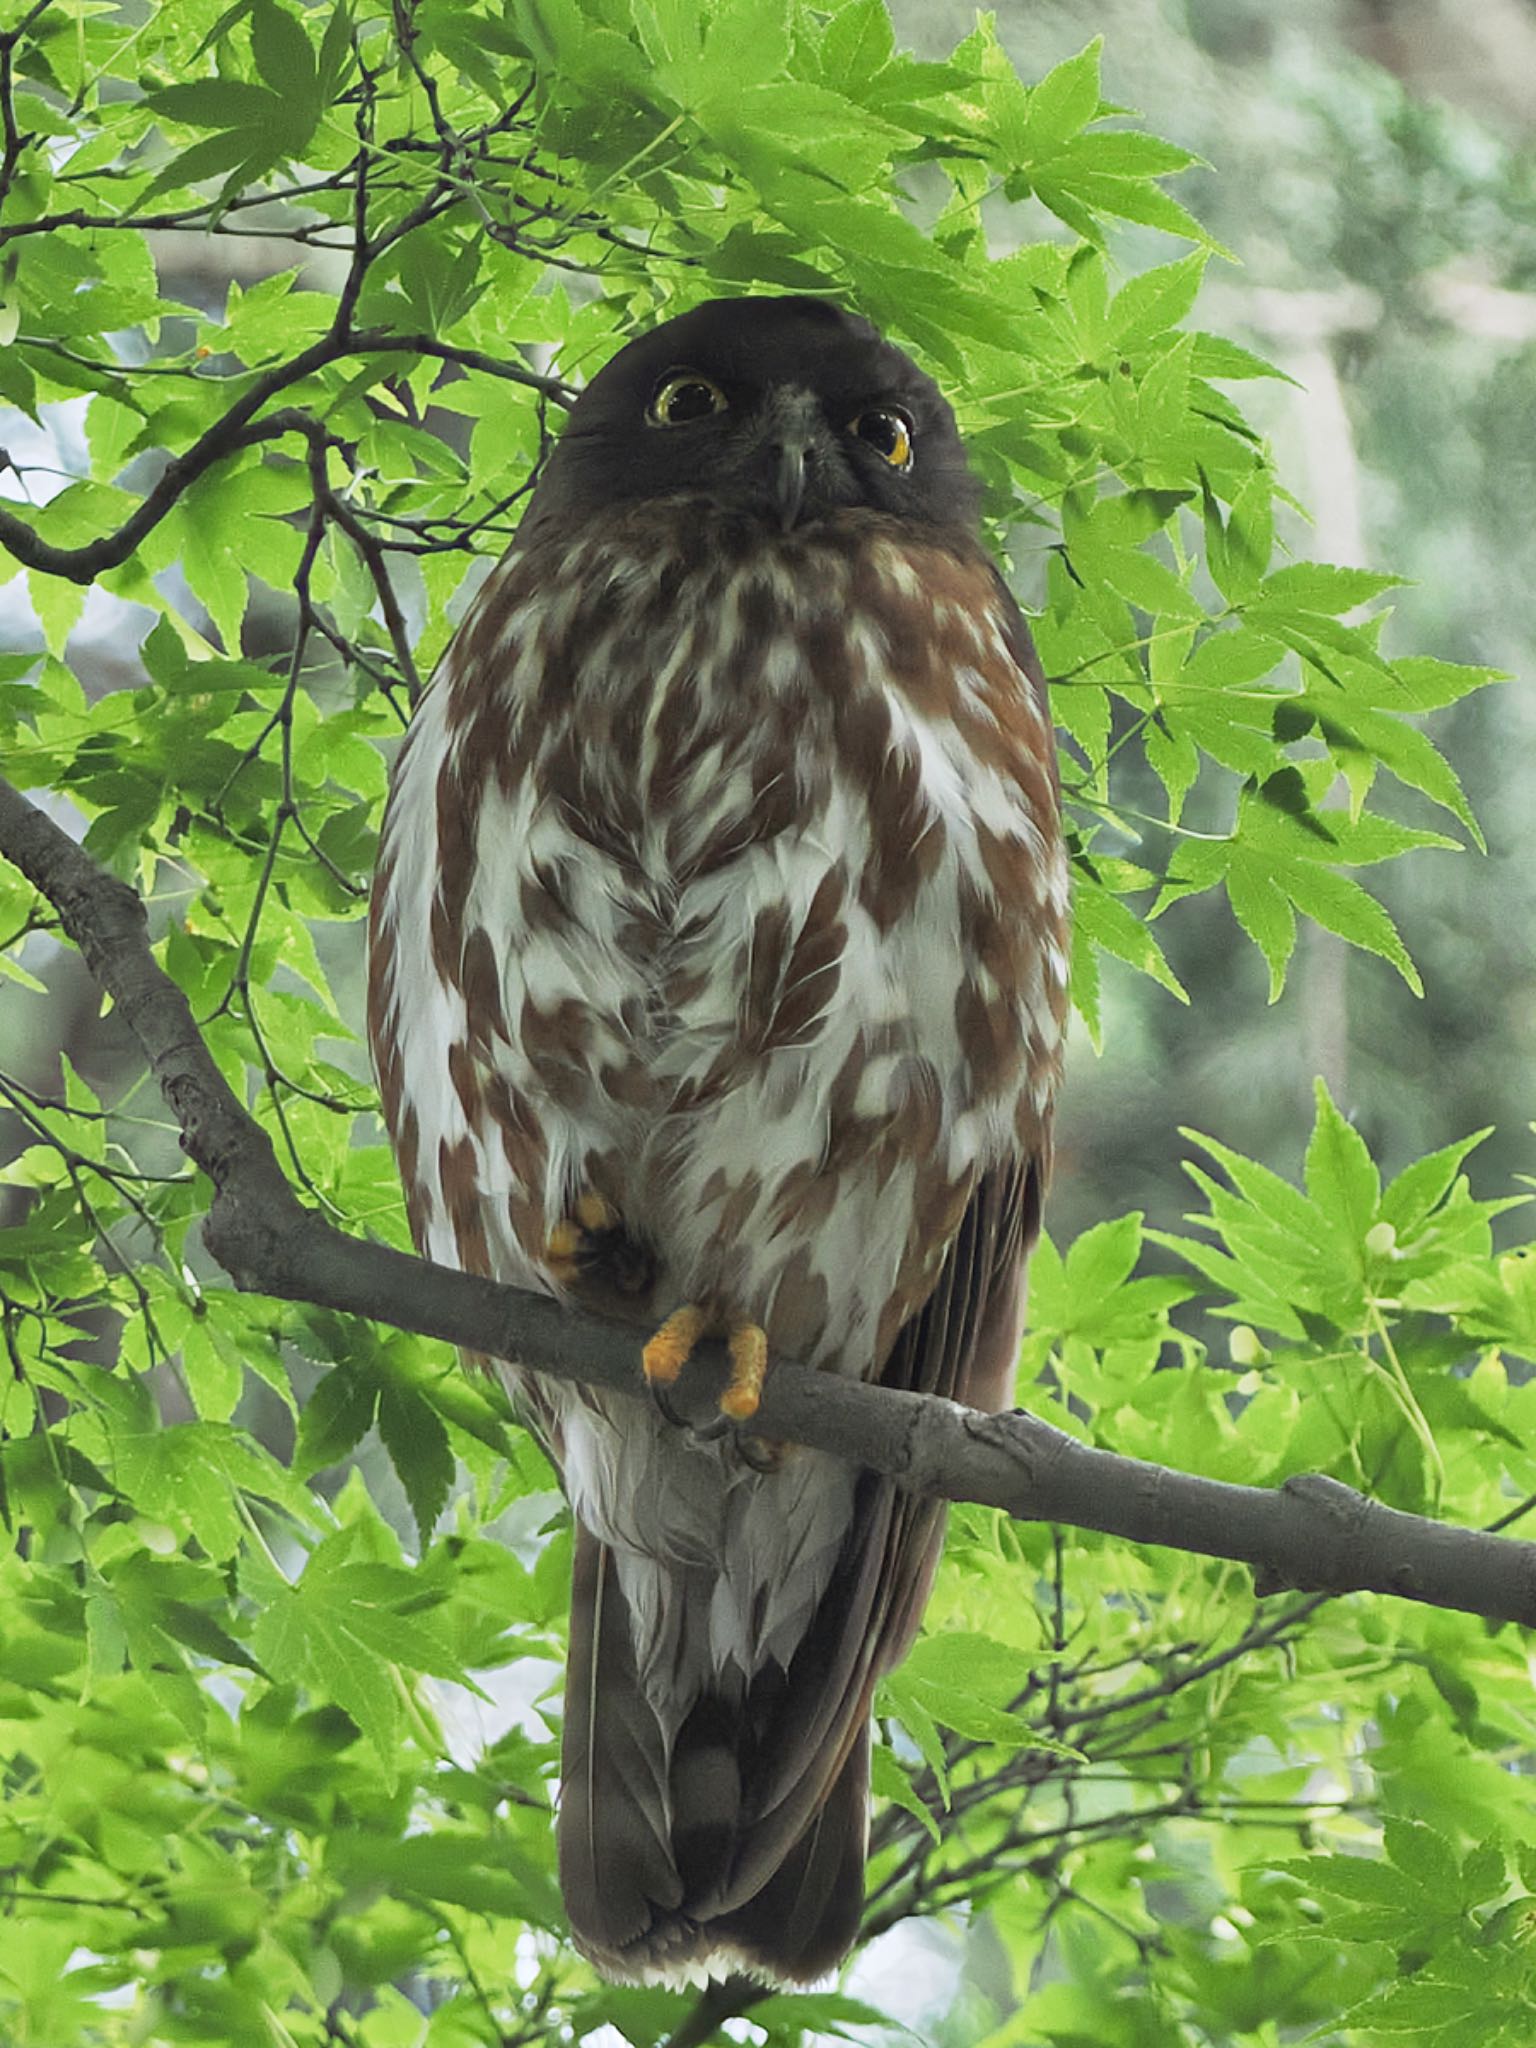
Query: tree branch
{"points": [[719, 2001], [1312, 1533], [233, 431]]}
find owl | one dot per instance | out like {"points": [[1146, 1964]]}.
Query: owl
{"points": [[717, 982]]}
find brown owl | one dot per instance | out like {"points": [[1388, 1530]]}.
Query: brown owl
{"points": [[718, 980]]}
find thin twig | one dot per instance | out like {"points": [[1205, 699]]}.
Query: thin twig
{"points": [[238, 429], [716, 2004]]}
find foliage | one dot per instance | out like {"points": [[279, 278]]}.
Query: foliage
{"points": [[245, 1798]]}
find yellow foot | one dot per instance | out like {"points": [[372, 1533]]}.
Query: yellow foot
{"points": [[592, 1245], [670, 1349], [749, 1368]]}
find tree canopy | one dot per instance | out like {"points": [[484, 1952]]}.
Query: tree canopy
{"points": [[291, 299]]}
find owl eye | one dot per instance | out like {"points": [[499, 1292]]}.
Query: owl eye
{"points": [[683, 397], [888, 432]]}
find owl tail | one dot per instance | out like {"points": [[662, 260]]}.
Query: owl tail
{"points": [[806, 1917], [735, 1839]]}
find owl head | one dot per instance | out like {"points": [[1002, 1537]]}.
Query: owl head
{"points": [[785, 409]]}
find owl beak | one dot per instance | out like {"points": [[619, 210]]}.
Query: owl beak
{"points": [[789, 480], [796, 451]]}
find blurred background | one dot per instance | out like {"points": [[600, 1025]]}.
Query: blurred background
{"points": [[1371, 167]]}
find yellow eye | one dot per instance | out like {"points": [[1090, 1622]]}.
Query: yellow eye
{"points": [[888, 432], [684, 396]]}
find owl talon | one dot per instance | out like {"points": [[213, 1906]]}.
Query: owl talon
{"points": [[594, 1213], [561, 1248], [666, 1408], [749, 1368], [748, 1346], [591, 1246], [760, 1453], [668, 1351]]}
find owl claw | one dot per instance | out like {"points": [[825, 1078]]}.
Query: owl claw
{"points": [[560, 1250], [748, 1345], [749, 1368], [669, 1350], [666, 1353], [591, 1245]]}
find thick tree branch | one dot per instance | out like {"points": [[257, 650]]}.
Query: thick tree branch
{"points": [[1311, 1533]]}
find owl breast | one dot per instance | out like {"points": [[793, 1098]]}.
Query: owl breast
{"points": [[725, 869]]}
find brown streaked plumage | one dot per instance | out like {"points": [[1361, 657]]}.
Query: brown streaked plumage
{"points": [[718, 979]]}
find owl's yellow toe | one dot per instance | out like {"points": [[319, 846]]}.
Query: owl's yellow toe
{"points": [[595, 1212], [748, 1346], [590, 1251], [563, 1242], [668, 1351]]}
